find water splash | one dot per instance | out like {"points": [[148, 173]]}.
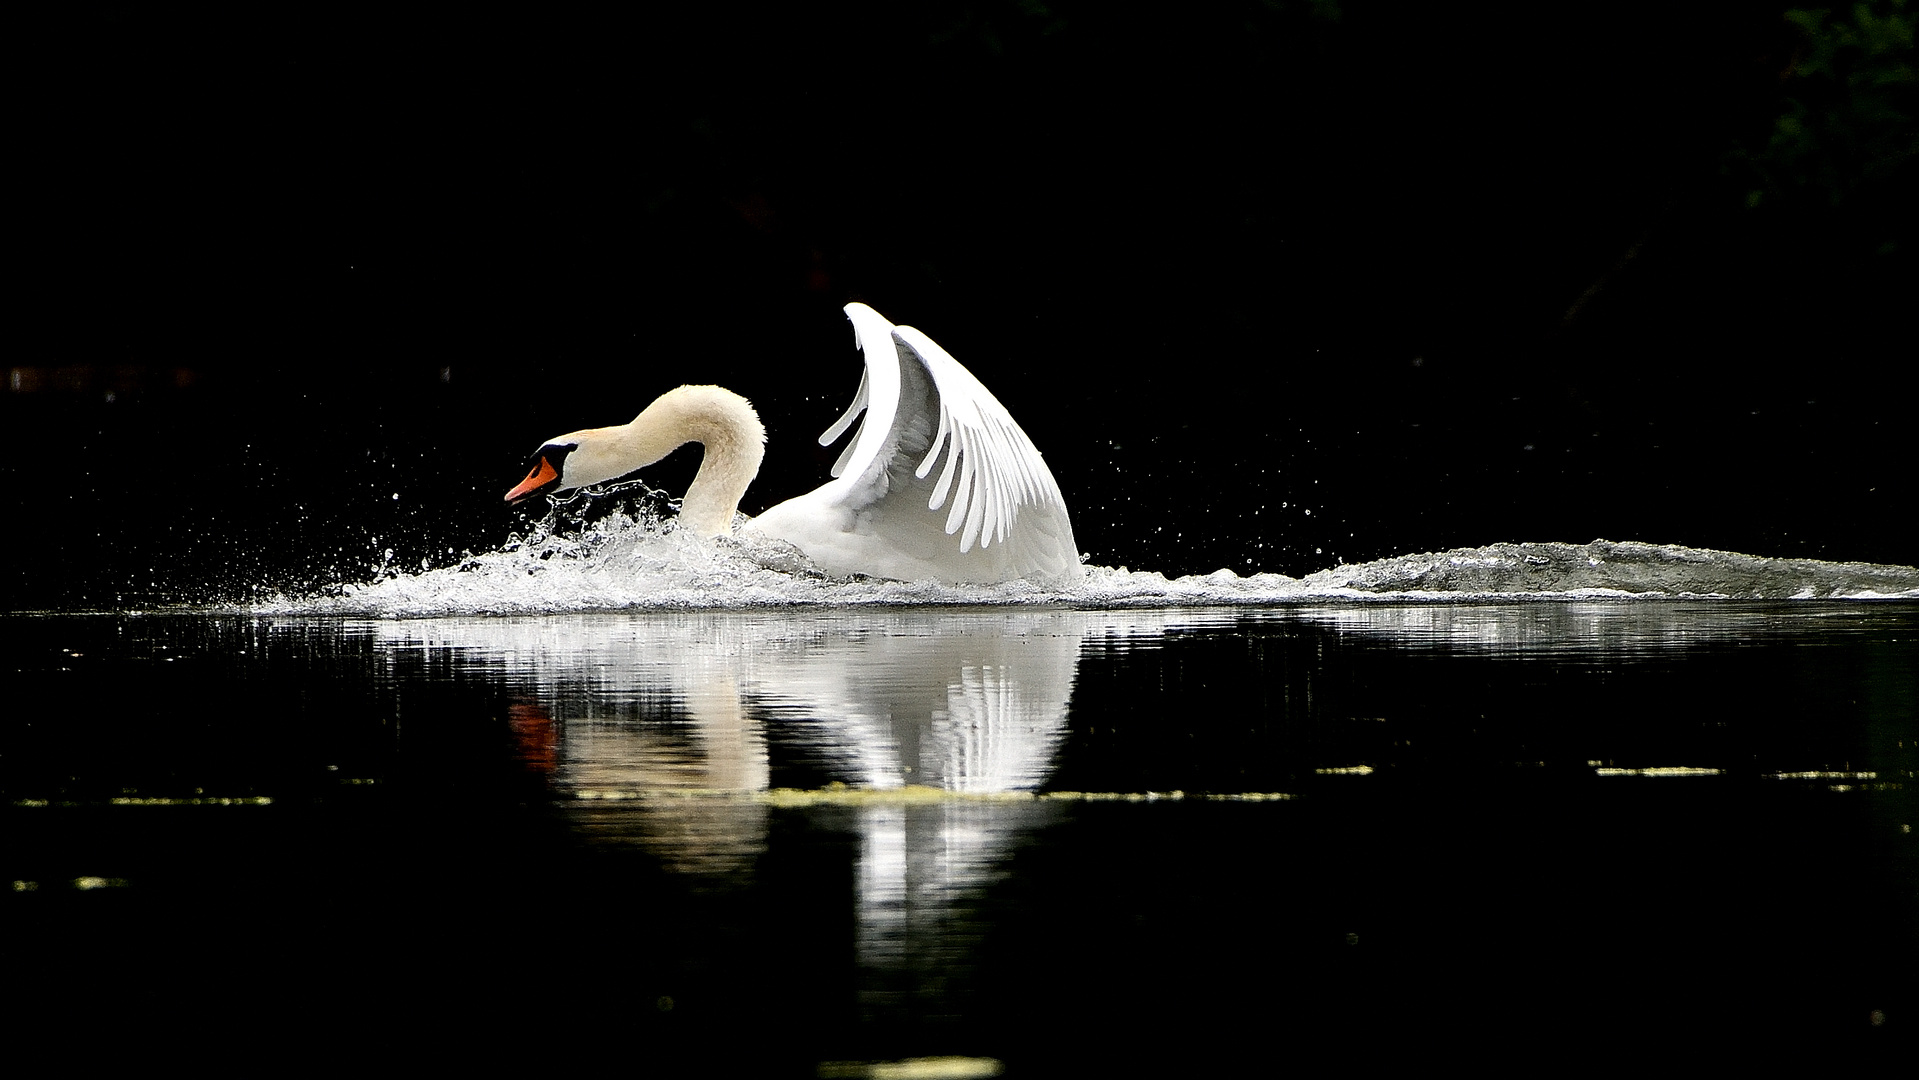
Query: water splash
{"points": [[618, 550]]}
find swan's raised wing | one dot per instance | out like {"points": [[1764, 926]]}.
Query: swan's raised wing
{"points": [[938, 468]]}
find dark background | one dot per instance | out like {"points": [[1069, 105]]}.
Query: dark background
{"points": [[1273, 285]]}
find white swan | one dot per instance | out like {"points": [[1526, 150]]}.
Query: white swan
{"points": [[992, 512]]}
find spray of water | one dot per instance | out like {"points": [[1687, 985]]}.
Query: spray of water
{"points": [[617, 549]]}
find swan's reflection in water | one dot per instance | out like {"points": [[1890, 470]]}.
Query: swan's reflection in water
{"points": [[667, 730], [641, 704]]}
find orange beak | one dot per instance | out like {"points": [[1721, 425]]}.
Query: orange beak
{"points": [[541, 476]]}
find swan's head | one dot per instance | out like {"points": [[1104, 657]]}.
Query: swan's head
{"points": [[576, 460], [547, 471]]}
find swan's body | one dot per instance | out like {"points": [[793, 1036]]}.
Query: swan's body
{"points": [[938, 483]]}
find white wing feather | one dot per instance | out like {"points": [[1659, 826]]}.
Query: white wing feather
{"points": [[879, 395]]}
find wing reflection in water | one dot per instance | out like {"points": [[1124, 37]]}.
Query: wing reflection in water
{"points": [[974, 703]]}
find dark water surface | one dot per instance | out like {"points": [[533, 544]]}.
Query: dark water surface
{"points": [[1064, 840]]}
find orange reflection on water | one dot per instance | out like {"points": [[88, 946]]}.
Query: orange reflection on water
{"points": [[534, 740]]}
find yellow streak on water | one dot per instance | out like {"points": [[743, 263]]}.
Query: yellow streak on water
{"points": [[143, 800], [927, 1068], [1661, 770], [911, 794]]}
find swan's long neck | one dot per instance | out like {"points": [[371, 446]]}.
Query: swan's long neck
{"points": [[718, 419], [735, 441]]}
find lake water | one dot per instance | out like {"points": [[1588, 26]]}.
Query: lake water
{"points": [[1039, 838]]}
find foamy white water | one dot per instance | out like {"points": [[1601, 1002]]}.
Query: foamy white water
{"points": [[631, 561]]}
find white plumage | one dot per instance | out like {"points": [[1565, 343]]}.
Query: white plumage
{"points": [[937, 483]]}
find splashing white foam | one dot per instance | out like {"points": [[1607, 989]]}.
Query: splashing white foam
{"points": [[628, 558]]}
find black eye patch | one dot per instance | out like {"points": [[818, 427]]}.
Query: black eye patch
{"points": [[555, 455]]}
